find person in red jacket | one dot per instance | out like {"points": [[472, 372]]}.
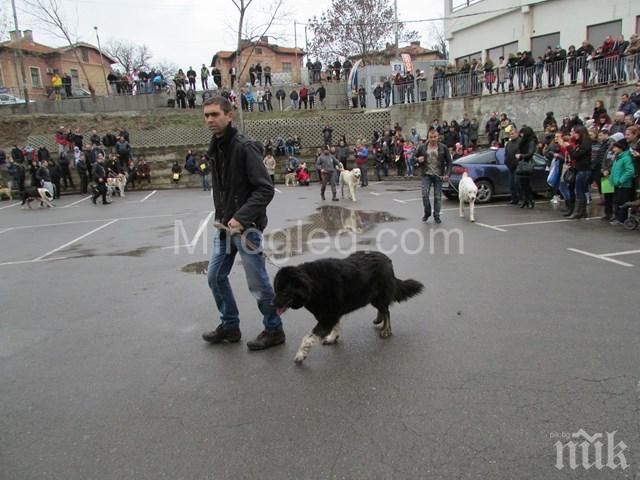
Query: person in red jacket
{"points": [[302, 99]]}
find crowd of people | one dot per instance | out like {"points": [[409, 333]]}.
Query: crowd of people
{"points": [[94, 159]]}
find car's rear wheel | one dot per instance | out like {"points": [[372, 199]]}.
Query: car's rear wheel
{"points": [[485, 191]]}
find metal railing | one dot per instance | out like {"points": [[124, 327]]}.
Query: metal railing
{"points": [[584, 71]]}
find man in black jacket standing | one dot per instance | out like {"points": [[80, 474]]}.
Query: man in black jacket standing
{"points": [[100, 176], [434, 161], [242, 190]]}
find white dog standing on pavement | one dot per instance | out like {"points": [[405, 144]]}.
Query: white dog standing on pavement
{"points": [[467, 192], [351, 178]]}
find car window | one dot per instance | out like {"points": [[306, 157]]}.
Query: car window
{"points": [[486, 157]]}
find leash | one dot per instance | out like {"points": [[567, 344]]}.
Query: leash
{"points": [[250, 245]]}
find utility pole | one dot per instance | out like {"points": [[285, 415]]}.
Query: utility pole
{"points": [[295, 46], [20, 65], [395, 14], [104, 73]]}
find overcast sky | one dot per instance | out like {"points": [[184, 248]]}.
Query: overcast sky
{"points": [[189, 32]]}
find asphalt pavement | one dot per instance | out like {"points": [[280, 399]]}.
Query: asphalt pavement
{"points": [[527, 333]]}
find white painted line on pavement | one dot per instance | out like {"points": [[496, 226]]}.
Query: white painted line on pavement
{"points": [[75, 240], [491, 227], [97, 220], [278, 190], [6, 230], [399, 201], [452, 209], [22, 262], [9, 206], [600, 257], [534, 223], [617, 254], [152, 193], [375, 194], [196, 238], [75, 203]]}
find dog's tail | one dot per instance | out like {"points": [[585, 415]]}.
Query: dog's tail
{"points": [[405, 289]]}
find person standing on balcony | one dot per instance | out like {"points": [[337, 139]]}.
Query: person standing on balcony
{"points": [[267, 75], [560, 63], [204, 77]]}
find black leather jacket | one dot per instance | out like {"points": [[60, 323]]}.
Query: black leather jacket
{"points": [[242, 188]]}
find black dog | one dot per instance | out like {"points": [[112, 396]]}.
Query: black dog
{"points": [[331, 288], [39, 194]]}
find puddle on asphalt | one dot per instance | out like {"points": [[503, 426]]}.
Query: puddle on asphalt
{"points": [[196, 267], [329, 221]]}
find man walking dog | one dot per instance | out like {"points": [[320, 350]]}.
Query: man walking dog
{"points": [[242, 189]]}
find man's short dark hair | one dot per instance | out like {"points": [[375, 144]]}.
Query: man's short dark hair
{"points": [[219, 100]]}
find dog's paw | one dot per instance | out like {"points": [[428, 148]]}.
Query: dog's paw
{"points": [[385, 332], [377, 321], [473, 220], [329, 340], [299, 358]]}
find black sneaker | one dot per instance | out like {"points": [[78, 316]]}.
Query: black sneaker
{"points": [[221, 335], [438, 221], [267, 339], [425, 218]]}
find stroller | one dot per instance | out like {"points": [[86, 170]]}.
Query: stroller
{"points": [[633, 218]]}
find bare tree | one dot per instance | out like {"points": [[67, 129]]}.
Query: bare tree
{"points": [[5, 23], [49, 14], [243, 6], [438, 39], [355, 27], [130, 57], [167, 69]]}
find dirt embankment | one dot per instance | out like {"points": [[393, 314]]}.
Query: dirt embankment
{"points": [[15, 129]]}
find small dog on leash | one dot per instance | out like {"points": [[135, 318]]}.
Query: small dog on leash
{"points": [[350, 178], [5, 191], [290, 179], [467, 192], [39, 194], [118, 183]]}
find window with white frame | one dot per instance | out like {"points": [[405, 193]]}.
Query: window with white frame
{"points": [[75, 77], [468, 58], [36, 80], [460, 4]]}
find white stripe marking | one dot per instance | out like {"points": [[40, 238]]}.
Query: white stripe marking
{"points": [[196, 239], [148, 196], [75, 240], [22, 262], [9, 206], [6, 230], [491, 227], [534, 223], [375, 193], [616, 254], [75, 203], [278, 190], [75, 222], [399, 201], [600, 257]]}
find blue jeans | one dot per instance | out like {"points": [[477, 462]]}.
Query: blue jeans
{"points": [[409, 163], [514, 184], [427, 182], [464, 139], [205, 183], [225, 249], [582, 184]]}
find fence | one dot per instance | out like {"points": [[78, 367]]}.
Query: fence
{"points": [[586, 71]]}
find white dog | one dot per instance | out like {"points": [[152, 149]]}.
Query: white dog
{"points": [[117, 183], [351, 178], [467, 192]]}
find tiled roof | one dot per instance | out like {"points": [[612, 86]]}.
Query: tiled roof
{"points": [[27, 46]]}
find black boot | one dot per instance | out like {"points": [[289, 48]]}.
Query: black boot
{"points": [[221, 335], [570, 207], [580, 210], [335, 197], [267, 339]]}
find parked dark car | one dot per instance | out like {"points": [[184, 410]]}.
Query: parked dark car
{"points": [[491, 175]]}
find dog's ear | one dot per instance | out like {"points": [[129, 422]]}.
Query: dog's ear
{"points": [[295, 281]]}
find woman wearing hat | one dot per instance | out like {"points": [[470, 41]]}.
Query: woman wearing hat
{"points": [[621, 177]]}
